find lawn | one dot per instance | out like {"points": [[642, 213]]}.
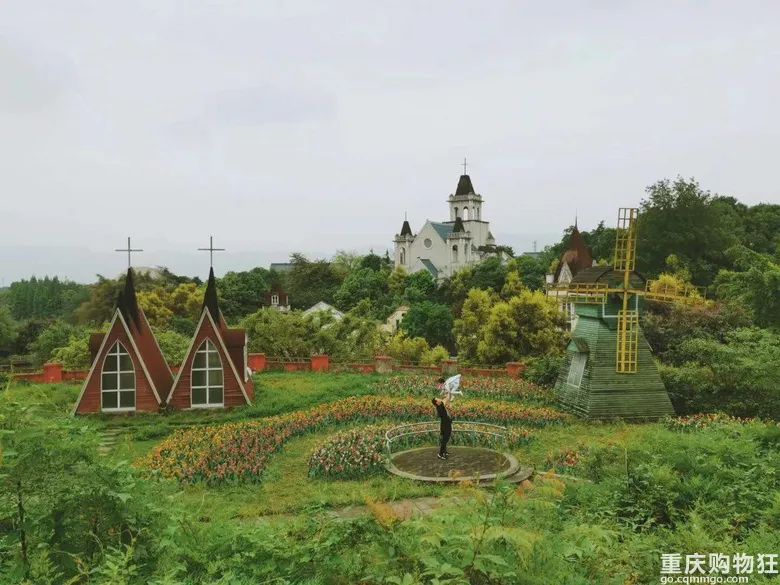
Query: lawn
{"points": [[701, 485]]}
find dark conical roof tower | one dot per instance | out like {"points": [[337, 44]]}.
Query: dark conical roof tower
{"points": [[458, 227], [406, 229], [127, 302], [464, 186], [210, 300]]}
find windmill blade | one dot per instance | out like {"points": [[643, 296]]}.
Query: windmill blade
{"points": [[594, 293], [625, 239], [627, 342]]}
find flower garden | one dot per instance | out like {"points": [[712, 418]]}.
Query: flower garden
{"points": [[239, 452], [357, 453], [502, 388]]}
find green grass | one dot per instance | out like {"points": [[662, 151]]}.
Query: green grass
{"points": [[286, 487]]}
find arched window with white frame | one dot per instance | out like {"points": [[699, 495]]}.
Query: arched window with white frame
{"points": [[117, 381], [208, 389]]}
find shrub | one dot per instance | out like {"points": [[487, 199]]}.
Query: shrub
{"points": [[544, 370], [434, 356], [173, 345], [239, 452]]}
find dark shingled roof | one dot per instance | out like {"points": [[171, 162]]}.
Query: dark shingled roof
{"points": [[127, 302], [606, 275], [406, 230], [211, 302], [577, 256], [443, 229], [458, 227], [430, 266], [464, 186]]}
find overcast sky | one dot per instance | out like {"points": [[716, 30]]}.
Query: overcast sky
{"points": [[313, 126]]}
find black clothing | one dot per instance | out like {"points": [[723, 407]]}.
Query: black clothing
{"points": [[446, 419], [444, 438], [445, 428]]}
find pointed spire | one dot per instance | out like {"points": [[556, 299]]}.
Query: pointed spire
{"points": [[406, 229], [127, 302], [458, 227], [210, 300], [464, 186]]}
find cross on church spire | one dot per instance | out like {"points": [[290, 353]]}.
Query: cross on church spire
{"points": [[129, 249], [464, 166], [211, 249]]}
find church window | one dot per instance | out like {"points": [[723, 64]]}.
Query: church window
{"points": [[403, 256], [455, 253], [577, 368], [207, 378], [466, 213], [427, 243], [274, 299], [456, 213], [117, 380]]}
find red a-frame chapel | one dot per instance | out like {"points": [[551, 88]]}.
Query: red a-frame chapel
{"points": [[129, 372]]}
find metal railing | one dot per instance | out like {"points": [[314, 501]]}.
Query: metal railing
{"points": [[415, 429]]}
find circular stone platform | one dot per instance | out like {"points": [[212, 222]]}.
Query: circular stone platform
{"points": [[464, 463]]}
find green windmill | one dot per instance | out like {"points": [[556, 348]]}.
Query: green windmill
{"points": [[610, 371]]}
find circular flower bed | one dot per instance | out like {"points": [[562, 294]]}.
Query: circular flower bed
{"points": [[361, 452], [237, 452], [472, 386]]}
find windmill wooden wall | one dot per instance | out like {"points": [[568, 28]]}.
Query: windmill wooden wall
{"points": [[604, 393]]}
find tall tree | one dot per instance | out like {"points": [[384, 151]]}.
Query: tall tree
{"points": [[242, 293], [310, 281], [755, 282], [432, 321], [680, 218]]}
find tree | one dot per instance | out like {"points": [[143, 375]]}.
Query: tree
{"points": [[56, 335], [309, 282], [75, 354], [7, 330], [279, 334], [529, 324], [407, 349], [101, 302], [420, 286], [468, 328], [668, 326], [44, 298], [363, 283], [494, 331], [531, 270], [354, 337], [680, 218], [242, 293], [755, 283], [431, 321], [173, 345]]}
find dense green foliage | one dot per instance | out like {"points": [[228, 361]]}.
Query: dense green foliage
{"points": [[682, 486]]}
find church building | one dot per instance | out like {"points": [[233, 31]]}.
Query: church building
{"points": [[129, 372], [443, 248], [214, 373]]}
